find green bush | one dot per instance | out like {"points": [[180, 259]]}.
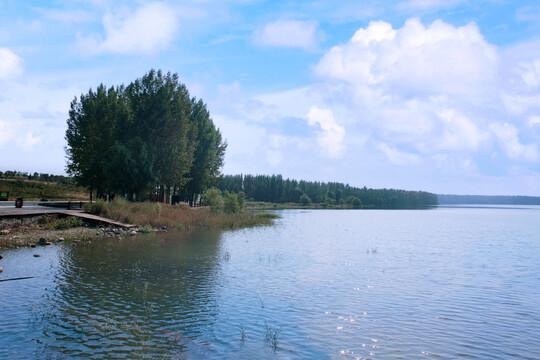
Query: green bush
{"points": [[146, 229], [231, 203], [214, 199], [95, 207], [68, 223], [241, 200], [356, 203], [305, 200]]}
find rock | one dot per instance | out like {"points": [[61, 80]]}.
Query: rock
{"points": [[48, 243], [4, 232], [1, 269], [133, 233], [32, 245], [37, 255], [1, 257], [76, 240], [61, 239]]}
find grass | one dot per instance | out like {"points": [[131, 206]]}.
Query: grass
{"points": [[40, 190], [52, 223], [179, 217]]}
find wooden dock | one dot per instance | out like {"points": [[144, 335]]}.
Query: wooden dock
{"points": [[21, 212]]}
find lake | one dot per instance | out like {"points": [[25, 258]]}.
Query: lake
{"points": [[445, 283]]}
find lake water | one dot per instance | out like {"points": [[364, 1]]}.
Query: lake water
{"points": [[445, 283]]}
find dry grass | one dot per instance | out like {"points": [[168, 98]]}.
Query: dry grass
{"points": [[180, 217]]}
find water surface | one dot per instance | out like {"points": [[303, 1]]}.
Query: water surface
{"points": [[445, 283]]}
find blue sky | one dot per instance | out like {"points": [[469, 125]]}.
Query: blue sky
{"points": [[435, 95]]}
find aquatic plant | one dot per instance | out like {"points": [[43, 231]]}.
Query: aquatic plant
{"points": [[271, 335]]}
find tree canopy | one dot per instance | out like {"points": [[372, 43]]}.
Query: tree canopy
{"points": [[148, 136]]}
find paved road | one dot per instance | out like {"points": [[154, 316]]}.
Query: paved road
{"points": [[6, 211], [26, 205]]}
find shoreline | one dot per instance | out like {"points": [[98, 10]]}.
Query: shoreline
{"points": [[30, 235]]}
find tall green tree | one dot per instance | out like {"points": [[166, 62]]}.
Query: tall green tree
{"points": [[90, 132], [208, 155], [150, 135]]}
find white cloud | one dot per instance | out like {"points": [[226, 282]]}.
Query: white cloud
{"points": [[507, 134], [29, 140], [459, 132], [7, 130], [397, 157], [529, 72], [413, 86], [288, 33], [68, 16], [533, 121], [429, 4], [331, 135], [149, 29], [415, 60], [10, 63]]}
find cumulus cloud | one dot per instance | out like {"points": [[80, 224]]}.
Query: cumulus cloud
{"points": [[151, 28], [529, 72], [288, 33], [331, 135], [460, 133], [415, 60], [10, 63], [397, 157], [507, 134], [413, 86]]}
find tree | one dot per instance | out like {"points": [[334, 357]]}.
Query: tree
{"points": [[305, 199], [150, 135], [90, 132], [208, 155]]}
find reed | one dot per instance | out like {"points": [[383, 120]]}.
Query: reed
{"points": [[180, 216]]}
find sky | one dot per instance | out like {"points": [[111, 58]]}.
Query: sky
{"points": [[434, 95]]}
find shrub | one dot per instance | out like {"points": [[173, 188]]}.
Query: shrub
{"points": [[214, 199], [241, 200], [146, 229], [68, 223], [231, 203], [356, 203], [95, 207], [305, 200]]}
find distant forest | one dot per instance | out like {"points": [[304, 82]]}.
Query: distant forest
{"points": [[278, 190], [488, 200]]}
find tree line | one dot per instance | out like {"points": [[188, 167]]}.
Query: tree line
{"points": [[487, 200], [278, 190], [150, 136], [24, 175]]}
